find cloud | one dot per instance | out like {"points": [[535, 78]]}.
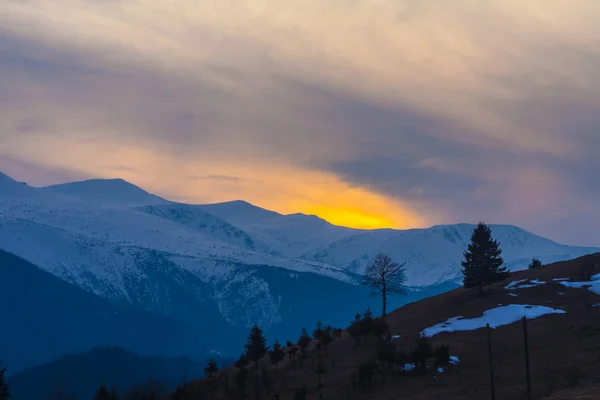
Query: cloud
{"points": [[414, 111]]}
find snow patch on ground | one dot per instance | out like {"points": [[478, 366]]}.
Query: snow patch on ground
{"points": [[513, 295], [498, 316], [454, 360], [592, 286], [511, 286], [560, 279], [520, 284]]}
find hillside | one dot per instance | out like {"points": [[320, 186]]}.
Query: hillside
{"points": [[47, 317], [564, 346], [78, 375]]}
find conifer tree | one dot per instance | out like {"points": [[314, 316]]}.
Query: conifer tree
{"points": [[276, 355], [304, 341], [483, 262], [327, 337], [4, 393], [211, 369], [385, 277], [113, 394], [367, 324], [102, 393], [535, 263], [318, 332], [355, 329], [256, 347]]}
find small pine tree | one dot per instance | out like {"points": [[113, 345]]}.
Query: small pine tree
{"points": [[483, 263], [113, 394], [367, 324], [4, 393], [102, 393], [211, 369], [318, 332], [256, 346], [535, 263], [354, 329], [276, 355], [303, 341], [327, 337]]}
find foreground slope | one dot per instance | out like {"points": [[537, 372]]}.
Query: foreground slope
{"points": [[564, 346]]}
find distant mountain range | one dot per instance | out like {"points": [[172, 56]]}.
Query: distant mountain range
{"points": [[216, 269]]}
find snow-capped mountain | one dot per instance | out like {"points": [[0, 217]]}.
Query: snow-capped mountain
{"points": [[245, 263]]}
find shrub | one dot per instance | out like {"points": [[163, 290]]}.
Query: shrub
{"points": [[535, 263], [441, 355], [422, 352]]}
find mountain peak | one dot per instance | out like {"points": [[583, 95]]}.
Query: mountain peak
{"points": [[114, 191]]}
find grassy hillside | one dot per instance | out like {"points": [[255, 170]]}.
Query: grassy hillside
{"points": [[564, 349]]}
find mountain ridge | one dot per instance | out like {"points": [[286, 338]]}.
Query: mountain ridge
{"points": [[233, 260]]}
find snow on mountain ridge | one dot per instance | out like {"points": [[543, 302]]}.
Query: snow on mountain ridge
{"points": [[109, 244], [116, 192]]}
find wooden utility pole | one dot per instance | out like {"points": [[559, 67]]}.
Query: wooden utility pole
{"points": [[527, 358], [489, 339]]}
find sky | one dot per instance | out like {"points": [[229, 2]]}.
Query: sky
{"points": [[368, 113]]}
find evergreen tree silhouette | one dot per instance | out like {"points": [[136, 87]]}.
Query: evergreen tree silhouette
{"points": [[256, 346], [367, 324], [102, 393], [303, 342], [483, 262], [354, 329], [535, 263], [211, 369], [276, 355], [327, 337], [4, 393], [318, 332]]}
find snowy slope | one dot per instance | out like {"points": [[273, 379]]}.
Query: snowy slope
{"points": [[433, 255], [290, 235], [115, 192]]}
